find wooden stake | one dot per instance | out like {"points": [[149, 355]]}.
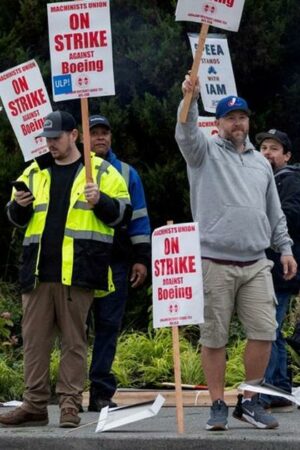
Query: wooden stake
{"points": [[86, 139], [177, 373], [194, 72]]}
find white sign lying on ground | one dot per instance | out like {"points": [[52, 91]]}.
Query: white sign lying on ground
{"points": [[264, 388], [117, 417], [11, 403]]}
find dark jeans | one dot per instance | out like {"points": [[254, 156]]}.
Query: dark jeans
{"points": [[277, 370], [108, 314]]}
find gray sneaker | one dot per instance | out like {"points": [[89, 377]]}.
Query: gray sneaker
{"points": [[253, 412], [218, 416]]}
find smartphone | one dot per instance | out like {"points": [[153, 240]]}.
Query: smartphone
{"points": [[20, 186]]}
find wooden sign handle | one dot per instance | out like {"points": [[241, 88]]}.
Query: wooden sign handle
{"points": [[194, 72], [177, 374], [86, 139]]}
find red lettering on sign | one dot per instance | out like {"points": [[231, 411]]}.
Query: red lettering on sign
{"points": [[77, 21], [20, 85], [82, 66], [228, 3], [172, 266], [26, 102], [171, 245], [74, 41], [176, 292]]}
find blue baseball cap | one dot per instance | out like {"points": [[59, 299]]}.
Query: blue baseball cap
{"points": [[231, 103]]}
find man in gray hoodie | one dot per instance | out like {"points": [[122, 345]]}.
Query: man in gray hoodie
{"points": [[235, 200]]}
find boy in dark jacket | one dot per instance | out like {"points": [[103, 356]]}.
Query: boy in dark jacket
{"points": [[277, 148]]}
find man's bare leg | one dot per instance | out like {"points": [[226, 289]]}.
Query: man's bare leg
{"points": [[214, 365], [256, 359]]}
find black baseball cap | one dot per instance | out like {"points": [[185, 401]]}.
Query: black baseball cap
{"points": [[56, 123], [99, 121], [278, 136]]}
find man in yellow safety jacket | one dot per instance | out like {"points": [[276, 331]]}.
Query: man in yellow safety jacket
{"points": [[66, 253]]}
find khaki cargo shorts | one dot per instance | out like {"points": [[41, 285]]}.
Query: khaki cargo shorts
{"points": [[247, 290]]}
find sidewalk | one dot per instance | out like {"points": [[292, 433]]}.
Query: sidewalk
{"points": [[157, 433]]}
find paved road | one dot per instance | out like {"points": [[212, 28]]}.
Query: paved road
{"points": [[156, 433]]}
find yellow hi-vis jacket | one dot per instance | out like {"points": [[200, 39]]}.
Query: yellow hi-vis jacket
{"points": [[87, 241]]}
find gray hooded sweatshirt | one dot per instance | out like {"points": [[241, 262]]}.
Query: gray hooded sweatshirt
{"points": [[233, 196]]}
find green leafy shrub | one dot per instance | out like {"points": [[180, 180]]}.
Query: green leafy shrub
{"points": [[10, 320], [146, 359], [235, 372], [191, 368], [11, 380], [143, 359]]}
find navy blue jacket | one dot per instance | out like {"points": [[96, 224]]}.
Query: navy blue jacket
{"points": [[287, 180], [132, 243]]}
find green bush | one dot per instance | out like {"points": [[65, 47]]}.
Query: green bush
{"points": [[11, 380], [146, 359], [143, 359], [235, 372]]}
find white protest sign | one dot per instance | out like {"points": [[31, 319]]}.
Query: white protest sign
{"points": [[80, 49], [215, 71], [26, 102], [224, 14], [208, 125], [261, 387], [111, 418], [177, 275]]}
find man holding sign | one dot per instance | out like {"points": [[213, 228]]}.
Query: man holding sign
{"points": [[235, 201], [66, 253], [131, 254]]}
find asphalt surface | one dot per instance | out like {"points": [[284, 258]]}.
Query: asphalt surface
{"points": [[157, 433]]}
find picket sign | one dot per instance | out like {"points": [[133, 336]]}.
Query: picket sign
{"points": [[224, 14], [215, 72], [74, 35], [177, 288], [26, 102], [84, 106]]}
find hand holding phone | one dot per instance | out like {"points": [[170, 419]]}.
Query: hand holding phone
{"points": [[20, 186]]}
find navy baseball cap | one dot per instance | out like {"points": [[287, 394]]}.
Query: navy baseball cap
{"points": [[99, 121], [56, 123], [231, 103], [278, 136]]}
